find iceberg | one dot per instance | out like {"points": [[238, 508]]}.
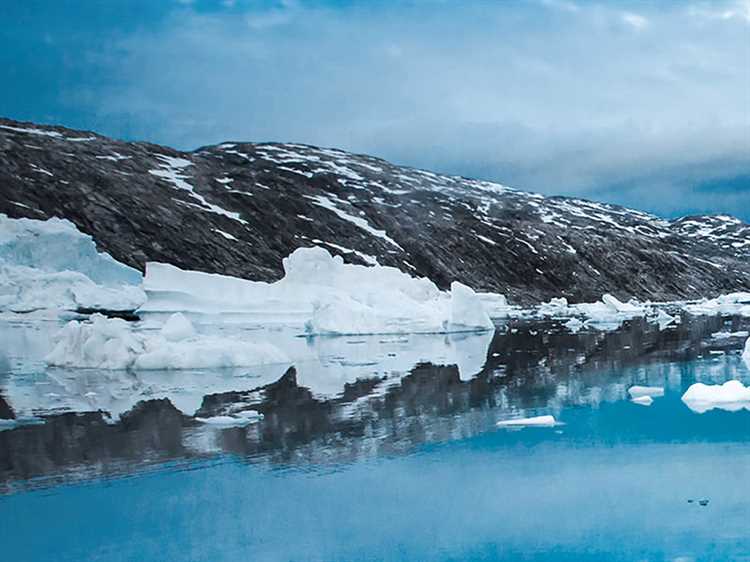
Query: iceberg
{"points": [[731, 396], [732, 303], [112, 343], [331, 296], [50, 264]]}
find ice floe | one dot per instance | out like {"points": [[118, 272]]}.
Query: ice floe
{"points": [[52, 265], [731, 396]]}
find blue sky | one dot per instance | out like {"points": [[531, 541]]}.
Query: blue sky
{"points": [[646, 104]]}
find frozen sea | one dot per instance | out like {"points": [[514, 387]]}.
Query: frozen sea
{"points": [[382, 448]]}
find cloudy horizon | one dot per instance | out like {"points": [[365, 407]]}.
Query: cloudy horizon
{"points": [[640, 104]]}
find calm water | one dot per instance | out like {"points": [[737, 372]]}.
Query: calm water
{"points": [[403, 465]]}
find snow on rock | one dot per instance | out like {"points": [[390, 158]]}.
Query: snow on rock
{"points": [[731, 396], [52, 265], [332, 297], [538, 421], [641, 391], [112, 343]]}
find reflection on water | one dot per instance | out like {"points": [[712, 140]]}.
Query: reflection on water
{"points": [[401, 460]]}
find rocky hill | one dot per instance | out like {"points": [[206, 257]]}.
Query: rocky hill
{"points": [[239, 208]]}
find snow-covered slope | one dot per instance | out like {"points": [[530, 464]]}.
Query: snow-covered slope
{"points": [[239, 208]]}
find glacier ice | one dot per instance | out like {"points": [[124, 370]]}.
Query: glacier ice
{"points": [[112, 343], [51, 265], [333, 297]]}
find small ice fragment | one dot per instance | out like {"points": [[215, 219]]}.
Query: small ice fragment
{"points": [[643, 400], [538, 421], [651, 391]]}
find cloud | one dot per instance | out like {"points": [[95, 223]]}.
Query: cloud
{"points": [[636, 21], [551, 96]]}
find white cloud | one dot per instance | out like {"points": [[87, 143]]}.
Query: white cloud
{"points": [[546, 99], [636, 21]]}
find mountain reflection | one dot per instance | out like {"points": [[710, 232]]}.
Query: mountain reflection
{"points": [[529, 367]]}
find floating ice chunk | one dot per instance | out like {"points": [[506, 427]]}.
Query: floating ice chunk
{"points": [[555, 307], [112, 343], [643, 400], [731, 396], [51, 265], [328, 295], [625, 307], [663, 319], [495, 304], [56, 245], [466, 308], [177, 327], [104, 343], [732, 303], [574, 325], [538, 421], [651, 391]]}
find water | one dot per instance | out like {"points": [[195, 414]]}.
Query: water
{"points": [[404, 465]]}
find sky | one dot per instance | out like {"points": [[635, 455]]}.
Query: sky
{"points": [[645, 104]]}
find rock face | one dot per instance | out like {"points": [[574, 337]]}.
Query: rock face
{"points": [[239, 208]]}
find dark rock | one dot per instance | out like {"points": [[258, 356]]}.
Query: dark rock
{"points": [[239, 208]]}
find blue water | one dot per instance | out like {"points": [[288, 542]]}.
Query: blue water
{"points": [[406, 467], [613, 483]]}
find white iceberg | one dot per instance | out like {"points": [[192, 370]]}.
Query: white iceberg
{"points": [[331, 296], [643, 400], [731, 396], [112, 343], [732, 303], [538, 421], [51, 265]]}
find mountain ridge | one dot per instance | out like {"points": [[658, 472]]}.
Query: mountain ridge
{"points": [[238, 208]]}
